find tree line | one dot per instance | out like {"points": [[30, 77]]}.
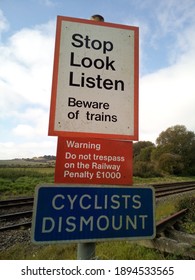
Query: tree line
{"points": [[173, 154]]}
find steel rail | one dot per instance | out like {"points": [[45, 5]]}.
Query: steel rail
{"points": [[16, 200], [16, 215], [170, 221], [175, 184], [16, 226], [172, 192]]}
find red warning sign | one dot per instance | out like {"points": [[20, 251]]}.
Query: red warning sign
{"points": [[93, 161]]}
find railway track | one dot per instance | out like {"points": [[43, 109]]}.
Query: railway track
{"points": [[16, 202], [16, 213], [170, 221], [11, 217], [167, 189]]}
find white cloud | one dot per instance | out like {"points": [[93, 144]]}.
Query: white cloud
{"points": [[32, 123], [12, 150], [24, 130], [173, 14], [26, 64], [167, 98]]}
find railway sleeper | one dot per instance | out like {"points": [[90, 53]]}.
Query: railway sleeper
{"points": [[181, 236], [178, 243]]}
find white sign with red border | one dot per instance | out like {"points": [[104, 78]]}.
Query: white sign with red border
{"points": [[95, 80]]}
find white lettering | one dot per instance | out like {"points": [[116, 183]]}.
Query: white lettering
{"points": [[72, 200], [71, 224], [48, 225], [86, 222], [81, 201], [54, 202], [106, 221]]}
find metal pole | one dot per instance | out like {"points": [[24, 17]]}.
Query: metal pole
{"points": [[86, 251]]}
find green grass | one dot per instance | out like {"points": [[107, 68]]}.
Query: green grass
{"points": [[161, 180], [44, 252], [22, 181], [113, 250], [128, 250]]}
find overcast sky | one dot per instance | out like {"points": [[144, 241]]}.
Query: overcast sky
{"points": [[27, 34]]}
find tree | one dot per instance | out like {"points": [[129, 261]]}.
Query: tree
{"points": [[139, 146], [176, 141], [142, 165], [145, 153], [171, 163]]}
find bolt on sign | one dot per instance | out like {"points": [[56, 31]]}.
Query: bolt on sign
{"points": [[94, 161], [95, 80]]}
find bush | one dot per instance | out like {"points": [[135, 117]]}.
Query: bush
{"points": [[188, 202], [145, 169], [189, 221]]}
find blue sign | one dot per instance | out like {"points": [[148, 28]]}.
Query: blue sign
{"points": [[66, 213]]}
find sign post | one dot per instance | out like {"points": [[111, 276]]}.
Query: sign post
{"points": [[86, 251], [94, 112], [94, 95]]}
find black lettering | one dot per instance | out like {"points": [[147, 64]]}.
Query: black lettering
{"points": [[121, 83], [99, 63], [109, 64], [72, 60], [99, 79], [101, 117], [80, 42], [96, 82], [71, 101], [99, 44], [87, 40], [108, 84], [71, 83], [82, 79], [86, 62], [114, 118], [107, 46], [90, 82]]}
